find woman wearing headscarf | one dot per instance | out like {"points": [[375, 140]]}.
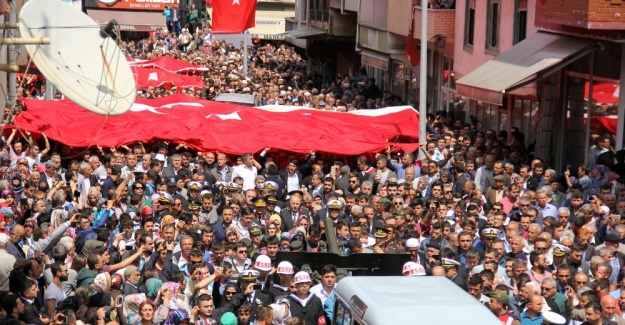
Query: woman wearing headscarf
{"points": [[17, 186], [102, 282], [178, 299], [276, 219], [152, 287], [176, 317], [233, 234], [301, 226], [271, 229], [281, 312], [9, 200]]}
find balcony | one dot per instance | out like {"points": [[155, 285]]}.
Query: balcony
{"points": [[585, 14], [440, 21]]}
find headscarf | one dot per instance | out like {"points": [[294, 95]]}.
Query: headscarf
{"points": [[153, 286], [23, 170], [279, 308], [103, 280], [6, 193], [176, 317], [234, 229], [19, 189], [131, 305], [174, 302], [276, 218]]}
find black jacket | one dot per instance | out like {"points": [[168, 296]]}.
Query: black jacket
{"points": [[31, 315], [310, 312]]}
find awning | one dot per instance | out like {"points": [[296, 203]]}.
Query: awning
{"points": [[374, 59], [132, 21], [305, 32], [531, 60]]}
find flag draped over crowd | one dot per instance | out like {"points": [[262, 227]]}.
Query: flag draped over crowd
{"points": [[229, 128]]}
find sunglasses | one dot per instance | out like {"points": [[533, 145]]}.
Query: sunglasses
{"points": [[227, 293]]}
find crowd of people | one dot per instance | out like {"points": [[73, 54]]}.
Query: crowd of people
{"points": [[157, 234]]}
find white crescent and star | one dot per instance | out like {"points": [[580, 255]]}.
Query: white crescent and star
{"points": [[236, 2]]}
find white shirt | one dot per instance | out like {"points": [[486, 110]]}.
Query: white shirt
{"points": [[319, 292], [292, 183], [247, 173]]}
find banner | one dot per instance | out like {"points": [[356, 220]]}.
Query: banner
{"points": [[151, 5], [208, 125]]}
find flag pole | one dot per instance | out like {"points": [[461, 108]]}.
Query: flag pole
{"points": [[246, 33], [423, 75]]}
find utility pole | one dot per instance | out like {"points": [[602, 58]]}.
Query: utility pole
{"points": [[423, 75]]}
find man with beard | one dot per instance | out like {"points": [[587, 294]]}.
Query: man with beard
{"points": [[539, 266], [54, 293], [133, 285]]}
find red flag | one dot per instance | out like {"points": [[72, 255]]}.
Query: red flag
{"points": [[233, 16], [411, 48], [208, 125]]}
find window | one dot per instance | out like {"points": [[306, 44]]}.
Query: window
{"points": [[492, 27], [469, 25], [520, 20], [342, 316], [319, 10]]}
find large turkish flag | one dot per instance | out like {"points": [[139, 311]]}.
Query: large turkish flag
{"points": [[233, 16], [209, 125]]}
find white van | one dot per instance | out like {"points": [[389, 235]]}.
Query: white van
{"points": [[383, 300]]}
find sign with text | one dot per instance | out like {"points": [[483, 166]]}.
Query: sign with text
{"points": [[152, 5]]}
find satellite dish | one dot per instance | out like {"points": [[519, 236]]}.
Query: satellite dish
{"points": [[81, 60]]}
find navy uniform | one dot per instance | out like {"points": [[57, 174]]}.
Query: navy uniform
{"points": [[165, 199], [256, 298], [310, 308], [450, 265], [278, 291]]}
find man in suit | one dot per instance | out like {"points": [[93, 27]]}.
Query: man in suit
{"points": [[28, 293], [176, 25], [334, 210], [451, 272], [290, 215], [292, 177], [248, 279], [609, 305], [48, 175], [175, 167], [15, 236], [497, 191], [222, 172]]}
